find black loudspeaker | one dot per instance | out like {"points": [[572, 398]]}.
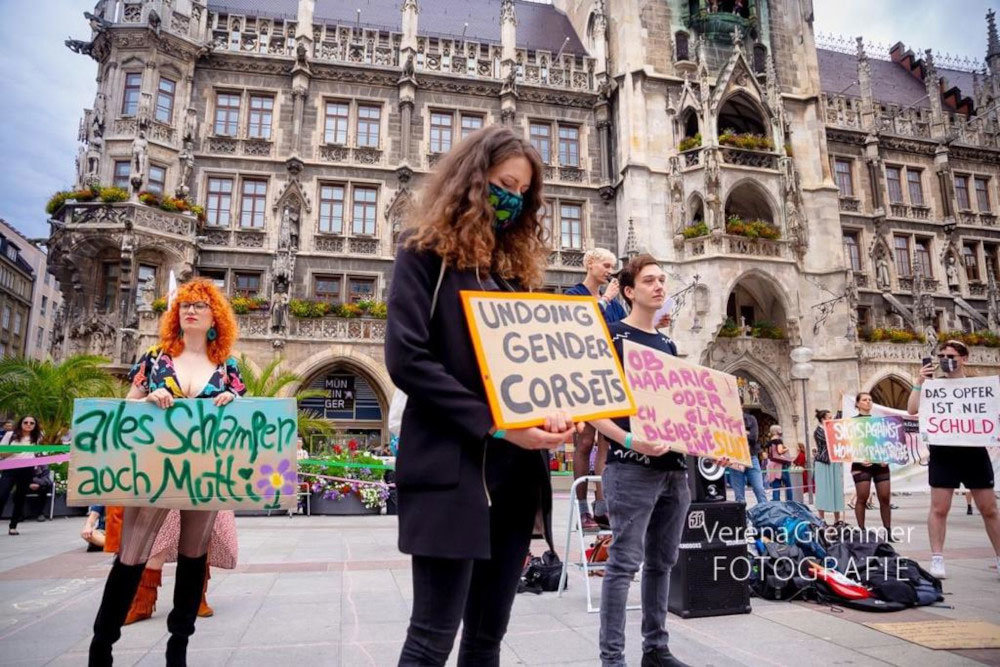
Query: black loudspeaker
{"points": [[707, 480], [711, 575]]}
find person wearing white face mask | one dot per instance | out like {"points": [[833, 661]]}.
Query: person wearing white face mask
{"points": [[950, 467]]}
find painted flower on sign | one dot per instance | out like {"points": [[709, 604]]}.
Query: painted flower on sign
{"points": [[280, 480]]}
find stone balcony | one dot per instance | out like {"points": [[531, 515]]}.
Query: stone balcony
{"points": [[977, 219], [327, 329], [749, 158], [928, 284], [716, 245], [911, 354], [914, 212], [100, 216], [567, 258]]}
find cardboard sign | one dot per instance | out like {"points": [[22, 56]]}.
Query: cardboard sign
{"points": [[964, 412], [867, 440], [540, 353], [192, 455], [693, 409]]}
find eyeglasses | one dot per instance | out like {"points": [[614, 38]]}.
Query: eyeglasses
{"points": [[197, 306], [29, 423]]}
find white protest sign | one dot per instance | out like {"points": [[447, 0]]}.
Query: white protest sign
{"points": [[963, 412]]}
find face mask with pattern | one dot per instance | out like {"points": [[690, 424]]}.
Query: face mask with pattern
{"points": [[507, 207]]}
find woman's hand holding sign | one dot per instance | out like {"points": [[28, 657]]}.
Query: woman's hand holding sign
{"points": [[557, 430], [161, 397]]}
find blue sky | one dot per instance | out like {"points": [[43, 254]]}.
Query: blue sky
{"points": [[45, 87]]}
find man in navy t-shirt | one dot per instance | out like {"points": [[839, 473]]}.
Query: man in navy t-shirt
{"points": [[600, 264], [647, 491]]}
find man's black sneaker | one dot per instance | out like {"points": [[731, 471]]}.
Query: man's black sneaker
{"points": [[661, 657]]}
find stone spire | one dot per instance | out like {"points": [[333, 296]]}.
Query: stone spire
{"points": [[865, 83], [408, 43], [631, 242], [993, 42], [600, 36], [933, 84], [508, 34]]}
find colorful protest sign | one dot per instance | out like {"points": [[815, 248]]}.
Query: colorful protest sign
{"points": [[193, 455], [964, 412], [692, 409], [541, 353], [867, 440]]}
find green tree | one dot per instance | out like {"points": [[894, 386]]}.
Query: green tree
{"points": [[269, 382], [47, 390]]}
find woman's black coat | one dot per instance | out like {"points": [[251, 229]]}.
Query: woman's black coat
{"points": [[446, 454]]}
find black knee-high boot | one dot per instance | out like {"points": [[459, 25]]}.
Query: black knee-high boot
{"points": [[123, 581], [187, 596]]}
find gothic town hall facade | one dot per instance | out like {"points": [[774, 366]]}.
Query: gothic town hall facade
{"points": [[798, 191]]}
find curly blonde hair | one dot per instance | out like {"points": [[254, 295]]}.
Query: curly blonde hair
{"points": [[455, 220], [226, 329]]}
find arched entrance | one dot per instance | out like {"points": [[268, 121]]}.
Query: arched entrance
{"points": [[892, 392], [352, 402]]}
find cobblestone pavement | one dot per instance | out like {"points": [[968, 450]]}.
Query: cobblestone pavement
{"points": [[336, 591]]}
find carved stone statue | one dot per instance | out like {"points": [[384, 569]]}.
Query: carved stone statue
{"points": [[753, 389], [882, 273], [510, 82], [279, 311], [81, 47], [140, 159], [147, 294], [190, 130], [951, 270], [186, 160], [282, 269], [288, 230]]}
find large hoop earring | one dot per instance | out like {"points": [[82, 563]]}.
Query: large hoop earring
{"points": [[212, 334]]}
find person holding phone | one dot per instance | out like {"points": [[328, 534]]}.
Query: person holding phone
{"points": [[950, 467], [600, 265], [864, 474]]}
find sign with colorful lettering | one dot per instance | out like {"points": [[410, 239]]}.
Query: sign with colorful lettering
{"points": [[867, 440], [340, 393], [193, 455], [692, 409], [964, 412], [542, 353]]}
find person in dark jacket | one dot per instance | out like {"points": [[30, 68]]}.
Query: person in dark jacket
{"points": [[41, 485], [468, 494]]}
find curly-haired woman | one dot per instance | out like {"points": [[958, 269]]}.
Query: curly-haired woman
{"points": [[192, 360], [468, 494]]}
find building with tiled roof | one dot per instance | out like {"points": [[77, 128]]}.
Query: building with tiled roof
{"points": [[798, 194]]}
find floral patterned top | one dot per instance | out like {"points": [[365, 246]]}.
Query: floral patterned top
{"points": [[155, 370]]}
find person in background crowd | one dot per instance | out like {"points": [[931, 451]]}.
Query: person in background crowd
{"points": [[8, 425], [40, 487], [968, 502], [778, 462], [829, 476], [737, 479], [600, 265], [863, 475], [800, 462], [950, 467], [468, 493], [648, 492], [18, 480], [192, 360], [93, 532]]}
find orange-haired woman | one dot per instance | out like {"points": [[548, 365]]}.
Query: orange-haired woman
{"points": [[192, 360], [468, 493]]}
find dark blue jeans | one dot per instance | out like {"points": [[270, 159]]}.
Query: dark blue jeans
{"points": [[786, 481], [738, 480], [647, 508]]}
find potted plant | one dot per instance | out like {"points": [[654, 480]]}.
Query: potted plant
{"points": [[695, 230], [687, 143]]}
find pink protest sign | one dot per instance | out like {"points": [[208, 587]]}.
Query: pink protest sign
{"points": [[692, 409]]}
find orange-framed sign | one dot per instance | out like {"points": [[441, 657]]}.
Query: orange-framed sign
{"points": [[541, 353]]}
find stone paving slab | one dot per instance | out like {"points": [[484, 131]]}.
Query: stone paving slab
{"points": [[335, 591]]}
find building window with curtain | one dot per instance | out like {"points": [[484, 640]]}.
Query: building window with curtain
{"points": [[261, 109], [569, 146], [441, 126], [246, 284], [219, 201], [571, 226], [252, 203], [156, 183], [363, 218], [471, 123], [852, 250], [331, 209], [901, 246], [895, 187], [842, 169], [962, 192], [915, 186], [122, 173], [227, 114], [983, 194], [327, 288], [923, 249], [540, 136], [165, 100], [337, 120], [132, 93], [971, 262], [369, 122]]}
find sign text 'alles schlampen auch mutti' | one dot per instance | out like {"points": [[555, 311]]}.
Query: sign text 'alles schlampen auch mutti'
{"points": [[193, 455], [542, 353]]}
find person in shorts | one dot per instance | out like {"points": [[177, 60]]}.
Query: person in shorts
{"points": [[950, 467], [864, 474]]}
